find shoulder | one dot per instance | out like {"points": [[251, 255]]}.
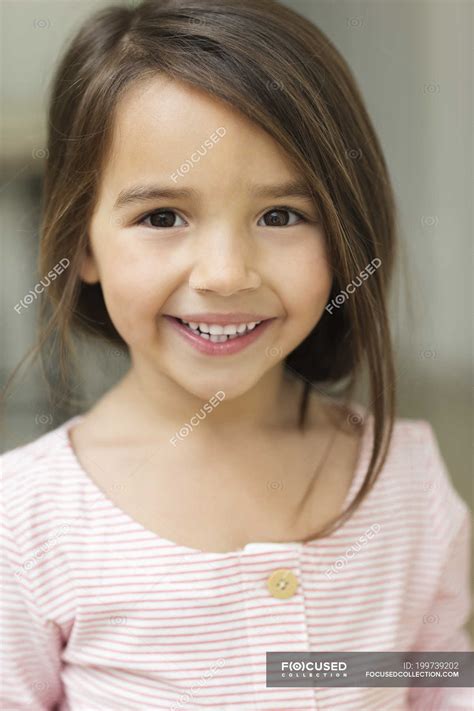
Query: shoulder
{"points": [[415, 487], [414, 473], [417, 455], [38, 480], [37, 460], [40, 503]]}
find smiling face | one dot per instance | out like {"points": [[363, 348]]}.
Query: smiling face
{"points": [[225, 246]]}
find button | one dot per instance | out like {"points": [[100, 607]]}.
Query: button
{"points": [[282, 583]]}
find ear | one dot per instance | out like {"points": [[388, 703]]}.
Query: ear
{"points": [[89, 271]]}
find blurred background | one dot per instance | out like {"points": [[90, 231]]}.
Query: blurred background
{"points": [[413, 63]]}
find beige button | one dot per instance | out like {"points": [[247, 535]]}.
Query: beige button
{"points": [[282, 583]]}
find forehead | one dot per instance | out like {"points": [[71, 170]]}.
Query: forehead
{"points": [[160, 124]]}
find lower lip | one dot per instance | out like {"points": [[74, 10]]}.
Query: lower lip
{"points": [[226, 347]]}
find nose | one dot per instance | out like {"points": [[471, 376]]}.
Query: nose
{"points": [[222, 264]]}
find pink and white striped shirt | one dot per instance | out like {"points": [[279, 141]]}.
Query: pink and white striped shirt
{"points": [[101, 614]]}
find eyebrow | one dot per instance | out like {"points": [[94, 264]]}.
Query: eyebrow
{"points": [[145, 193]]}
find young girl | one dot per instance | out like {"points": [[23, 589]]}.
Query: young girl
{"points": [[218, 190]]}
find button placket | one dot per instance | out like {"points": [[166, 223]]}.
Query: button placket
{"points": [[276, 615]]}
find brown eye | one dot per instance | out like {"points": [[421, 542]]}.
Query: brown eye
{"points": [[161, 218], [279, 218]]}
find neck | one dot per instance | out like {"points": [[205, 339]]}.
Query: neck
{"points": [[159, 402]]}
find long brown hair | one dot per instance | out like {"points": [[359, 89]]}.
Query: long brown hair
{"points": [[280, 70]]}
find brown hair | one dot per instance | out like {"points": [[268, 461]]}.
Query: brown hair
{"points": [[274, 66]]}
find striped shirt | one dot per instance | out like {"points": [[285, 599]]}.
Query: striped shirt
{"points": [[101, 614]]}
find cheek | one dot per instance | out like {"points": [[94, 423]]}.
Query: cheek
{"points": [[305, 281], [134, 291]]}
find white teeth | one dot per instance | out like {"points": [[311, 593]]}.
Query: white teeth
{"points": [[217, 333]]}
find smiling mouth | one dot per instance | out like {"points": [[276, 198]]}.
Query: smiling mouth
{"points": [[221, 334]]}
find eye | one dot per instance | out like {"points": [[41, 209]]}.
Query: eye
{"points": [[161, 218], [278, 217]]}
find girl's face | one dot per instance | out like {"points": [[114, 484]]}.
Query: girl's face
{"points": [[228, 236]]}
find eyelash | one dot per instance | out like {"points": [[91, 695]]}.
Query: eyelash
{"points": [[279, 208]]}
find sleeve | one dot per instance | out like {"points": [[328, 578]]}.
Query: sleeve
{"points": [[31, 645], [443, 628]]}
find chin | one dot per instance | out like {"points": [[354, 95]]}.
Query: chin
{"points": [[227, 388]]}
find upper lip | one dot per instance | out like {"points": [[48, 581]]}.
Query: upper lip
{"points": [[223, 319]]}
